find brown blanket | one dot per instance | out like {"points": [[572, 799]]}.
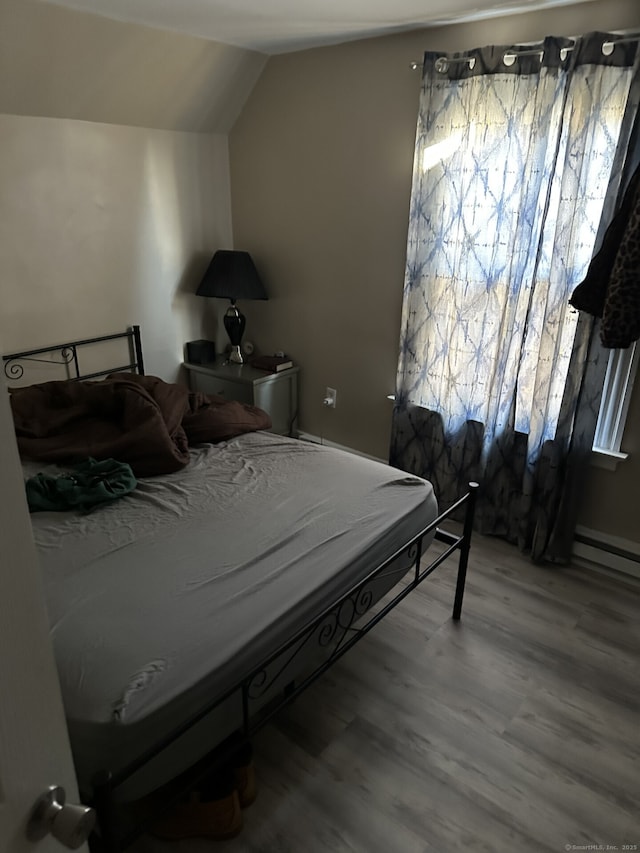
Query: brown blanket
{"points": [[141, 420]]}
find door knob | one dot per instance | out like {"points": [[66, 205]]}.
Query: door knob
{"points": [[70, 824]]}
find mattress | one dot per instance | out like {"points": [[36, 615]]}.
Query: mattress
{"points": [[167, 597]]}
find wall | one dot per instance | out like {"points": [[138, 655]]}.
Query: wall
{"points": [[321, 161], [610, 502], [114, 176], [103, 226], [61, 63]]}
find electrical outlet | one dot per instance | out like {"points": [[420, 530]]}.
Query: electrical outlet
{"points": [[330, 398]]}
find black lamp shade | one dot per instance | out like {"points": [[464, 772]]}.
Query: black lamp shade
{"points": [[232, 275]]}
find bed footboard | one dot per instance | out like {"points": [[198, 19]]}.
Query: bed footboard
{"points": [[345, 623]]}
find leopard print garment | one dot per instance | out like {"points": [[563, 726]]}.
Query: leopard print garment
{"points": [[611, 288], [621, 315]]}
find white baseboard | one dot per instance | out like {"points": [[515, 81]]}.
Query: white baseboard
{"points": [[316, 439], [613, 553]]}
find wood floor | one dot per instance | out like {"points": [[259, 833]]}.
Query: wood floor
{"points": [[517, 729]]}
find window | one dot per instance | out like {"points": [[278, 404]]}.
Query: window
{"points": [[616, 395]]}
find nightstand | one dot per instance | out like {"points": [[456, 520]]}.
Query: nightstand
{"points": [[276, 393]]}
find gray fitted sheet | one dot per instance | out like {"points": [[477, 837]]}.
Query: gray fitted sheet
{"points": [[168, 596]]}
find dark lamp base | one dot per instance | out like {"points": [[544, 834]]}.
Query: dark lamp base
{"points": [[234, 323]]}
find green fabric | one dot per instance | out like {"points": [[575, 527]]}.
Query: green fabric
{"points": [[89, 484]]}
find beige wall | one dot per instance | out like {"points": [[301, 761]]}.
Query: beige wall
{"points": [[114, 176], [611, 503], [321, 160], [103, 226], [65, 64]]}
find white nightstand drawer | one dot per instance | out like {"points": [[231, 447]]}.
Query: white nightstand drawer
{"points": [[223, 388]]}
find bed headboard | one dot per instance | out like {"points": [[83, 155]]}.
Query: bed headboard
{"points": [[69, 355]]}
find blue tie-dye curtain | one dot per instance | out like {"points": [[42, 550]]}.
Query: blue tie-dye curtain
{"points": [[517, 151]]}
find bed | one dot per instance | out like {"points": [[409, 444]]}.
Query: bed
{"points": [[210, 596]]}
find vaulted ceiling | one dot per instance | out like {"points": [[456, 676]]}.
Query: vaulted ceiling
{"points": [[280, 26], [188, 64]]}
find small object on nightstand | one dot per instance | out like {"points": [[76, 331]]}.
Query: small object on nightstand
{"points": [[201, 352], [272, 363]]}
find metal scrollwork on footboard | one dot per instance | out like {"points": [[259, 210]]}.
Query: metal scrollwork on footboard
{"points": [[343, 617], [324, 640], [328, 633]]}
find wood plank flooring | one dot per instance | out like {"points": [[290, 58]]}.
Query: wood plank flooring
{"points": [[517, 729]]}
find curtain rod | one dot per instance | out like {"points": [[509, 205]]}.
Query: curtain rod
{"points": [[607, 50]]}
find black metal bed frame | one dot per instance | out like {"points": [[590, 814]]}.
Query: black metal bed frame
{"points": [[337, 628], [67, 354], [339, 624]]}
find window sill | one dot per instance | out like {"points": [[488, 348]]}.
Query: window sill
{"points": [[607, 459]]}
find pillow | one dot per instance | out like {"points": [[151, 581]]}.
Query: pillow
{"points": [[211, 419]]}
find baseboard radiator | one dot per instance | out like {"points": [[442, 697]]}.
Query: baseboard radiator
{"points": [[612, 553]]}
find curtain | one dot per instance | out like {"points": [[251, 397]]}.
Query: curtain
{"points": [[517, 152]]}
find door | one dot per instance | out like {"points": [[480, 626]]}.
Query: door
{"points": [[34, 746]]}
